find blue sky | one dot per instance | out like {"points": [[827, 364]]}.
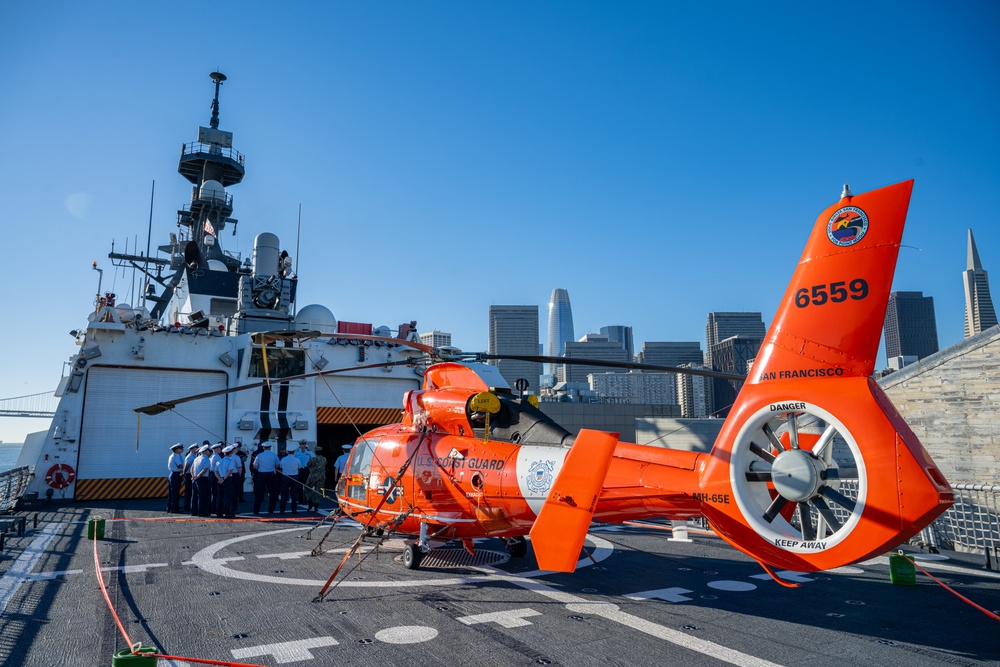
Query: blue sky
{"points": [[659, 160]]}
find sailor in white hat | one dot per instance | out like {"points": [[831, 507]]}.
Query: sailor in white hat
{"points": [[175, 469], [224, 474], [341, 461], [215, 455], [289, 478], [201, 475], [188, 493], [303, 455], [239, 458], [266, 482]]}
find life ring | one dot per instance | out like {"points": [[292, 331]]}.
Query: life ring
{"points": [[60, 476]]}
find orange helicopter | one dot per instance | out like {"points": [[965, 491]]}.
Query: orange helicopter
{"points": [[813, 468]]}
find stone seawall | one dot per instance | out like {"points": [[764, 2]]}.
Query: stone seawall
{"points": [[951, 400]]}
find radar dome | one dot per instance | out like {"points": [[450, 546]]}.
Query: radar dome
{"points": [[213, 190], [315, 317]]}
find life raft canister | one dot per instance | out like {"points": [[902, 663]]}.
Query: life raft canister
{"points": [[60, 476]]}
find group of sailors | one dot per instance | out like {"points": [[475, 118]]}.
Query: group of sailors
{"points": [[213, 479]]}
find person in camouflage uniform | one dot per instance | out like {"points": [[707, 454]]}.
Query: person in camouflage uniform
{"points": [[316, 481]]}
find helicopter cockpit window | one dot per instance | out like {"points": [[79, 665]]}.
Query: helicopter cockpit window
{"points": [[361, 459]]}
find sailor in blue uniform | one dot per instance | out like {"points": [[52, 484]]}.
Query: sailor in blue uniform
{"points": [[175, 469], [266, 465], [201, 474], [341, 462], [340, 465], [290, 482], [224, 474], [303, 455], [186, 499], [214, 458], [240, 468]]}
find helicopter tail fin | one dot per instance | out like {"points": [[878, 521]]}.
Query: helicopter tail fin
{"points": [[561, 527], [821, 469]]}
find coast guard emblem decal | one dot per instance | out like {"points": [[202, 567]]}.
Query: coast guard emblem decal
{"points": [[847, 226], [539, 478]]}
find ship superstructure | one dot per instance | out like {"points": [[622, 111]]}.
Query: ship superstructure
{"points": [[209, 320]]}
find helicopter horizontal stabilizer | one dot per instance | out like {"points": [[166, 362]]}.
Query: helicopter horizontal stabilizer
{"points": [[561, 527]]}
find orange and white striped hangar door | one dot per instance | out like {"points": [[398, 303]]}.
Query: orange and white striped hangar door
{"points": [[122, 457]]}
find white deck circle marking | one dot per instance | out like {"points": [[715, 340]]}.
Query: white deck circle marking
{"points": [[732, 586], [206, 560], [406, 634]]}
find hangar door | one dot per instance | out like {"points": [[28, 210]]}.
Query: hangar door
{"points": [[108, 434]]}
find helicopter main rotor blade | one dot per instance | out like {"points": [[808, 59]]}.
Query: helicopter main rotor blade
{"points": [[163, 406], [616, 364]]}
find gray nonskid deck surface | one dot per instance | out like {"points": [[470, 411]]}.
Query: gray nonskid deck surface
{"points": [[245, 592]]}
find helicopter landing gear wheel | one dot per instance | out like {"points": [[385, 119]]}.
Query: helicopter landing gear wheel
{"points": [[412, 555], [798, 477], [517, 547]]}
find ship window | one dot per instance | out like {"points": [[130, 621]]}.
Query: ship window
{"points": [[282, 362]]}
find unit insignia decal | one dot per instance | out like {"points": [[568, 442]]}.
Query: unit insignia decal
{"points": [[847, 226]]}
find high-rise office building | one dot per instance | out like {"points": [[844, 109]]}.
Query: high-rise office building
{"points": [[910, 327], [622, 335], [514, 330], [732, 355], [726, 325], [731, 339], [695, 394], [560, 325], [660, 353], [591, 346], [435, 338], [979, 311]]}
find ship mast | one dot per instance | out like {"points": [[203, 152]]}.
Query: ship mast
{"points": [[211, 164]]}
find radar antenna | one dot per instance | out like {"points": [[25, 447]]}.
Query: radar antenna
{"points": [[218, 78]]}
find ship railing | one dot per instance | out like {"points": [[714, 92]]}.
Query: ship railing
{"points": [[971, 525], [212, 196], [12, 486], [195, 147]]}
